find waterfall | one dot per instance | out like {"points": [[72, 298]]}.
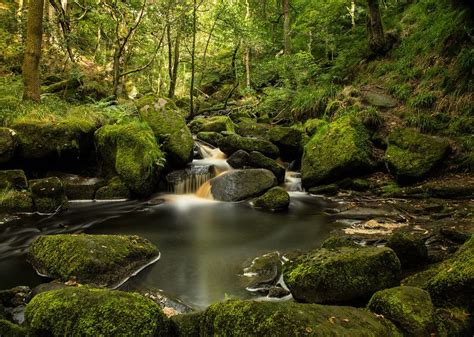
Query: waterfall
{"points": [[293, 182]]}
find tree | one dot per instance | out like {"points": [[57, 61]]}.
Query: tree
{"points": [[377, 41], [32, 55], [193, 61], [286, 27]]}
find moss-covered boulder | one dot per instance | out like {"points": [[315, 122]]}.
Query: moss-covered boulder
{"points": [[80, 188], [186, 325], [340, 149], [410, 249], [311, 126], [288, 141], [250, 128], [411, 155], [8, 144], [341, 275], [453, 322], [258, 160], [274, 199], [13, 179], [169, 126], [249, 318], [131, 151], [115, 189], [94, 259], [212, 138], [9, 329], [82, 311], [335, 242], [48, 194], [212, 124], [12, 201], [232, 143], [44, 139], [409, 308], [239, 159], [241, 184]]}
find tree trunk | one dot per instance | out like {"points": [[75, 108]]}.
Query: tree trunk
{"points": [[247, 50], [286, 27], [193, 65], [375, 27], [174, 64], [116, 71], [32, 55]]}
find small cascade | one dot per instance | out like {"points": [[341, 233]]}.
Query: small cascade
{"points": [[205, 191], [211, 156], [189, 180], [293, 182]]}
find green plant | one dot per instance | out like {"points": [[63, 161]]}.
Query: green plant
{"points": [[371, 117], [424, 100], [421, 121]]}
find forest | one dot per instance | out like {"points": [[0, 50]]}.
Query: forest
{"points": [[237, 168]]}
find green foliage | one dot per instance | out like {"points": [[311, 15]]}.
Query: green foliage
{"points": [[423, 100], [422, 121], [371, 117], [311, 101]]}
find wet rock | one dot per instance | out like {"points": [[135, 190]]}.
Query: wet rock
{"points": [[378, 99], [329, 190], [341, 275], [94, 259], [78, 187], [339, 150], [212, 138], [82, 311], [212, 124], [48, 194], [411, 250], [274, 199], [8, 143], [366, 213], [241, 184], [277, 292], [114, 190], [335, 242], [411, 155], [409, 308], [258, 160], [171, 305], [44, 287], [288, 141], [15, 296], [233, 142], [13, 179], [263, 273], [239, 159], [248, 318]]}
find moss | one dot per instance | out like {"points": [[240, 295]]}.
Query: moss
{"points": [[453, 322], [409, 308], [8, 144], [187, 325], [13, 179], [411, 155], [312, 126], [170, 128], [330, 189], [248, 318], [410, 250], [115, 189], [15, 201], [94, 312], [8, 329], [96, 259], [288, 141], [232, 143], [274, 199], [48, 194], [212, 124], [340, 149], [212, 138], [131, 151], [335, 242], [250, 128], [258, 160], [341, 275]]}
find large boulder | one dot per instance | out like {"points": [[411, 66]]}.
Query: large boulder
{"points": [[8, 144], [288, 141], [274, 199], [239, 159], [409, 308], [212, 124], [341, 275], [170, 128], [83, 311], [233, 142], [258, 160], [411, 155], [250, 318], [241, 184], [48, 194], [340, 149], [94, 259], [131, 152]]}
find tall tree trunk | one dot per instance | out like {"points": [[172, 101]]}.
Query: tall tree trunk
{"points": [[32, 55], [174, 64], [375, 27], [116, 71], [193, 60], [286, 27], [247, 50]]}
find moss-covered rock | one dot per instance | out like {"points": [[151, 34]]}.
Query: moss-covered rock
{"points": [[232, 143], [453, 322], [340, 149], [239, 159], [411, 155], [241, 184], [78, 187], [311, 126], [411, 250], [8, 144], [8, 329], [48, 194], [341, 275], [250, 128], [131, 151], [212, 138], [12, 201], [335, 242], [409, 308], [288, 141], [114, 190], [212, 124], [187, 325], [258, 160], [13, 179], [249, 318], [95, 259], [329, 189], [82, 311], [170, 128], [274, 199]]}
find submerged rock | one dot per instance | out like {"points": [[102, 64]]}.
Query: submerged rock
{"points": [[409, 308], [288, 141], [249, 318], [241, 184], [82, 311], [338, 150], [233, 142], [274, 199], [48, 194], [411, 155], [114, 190], [341, 275], [94, 259], [263, 273], [8, 143]]}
